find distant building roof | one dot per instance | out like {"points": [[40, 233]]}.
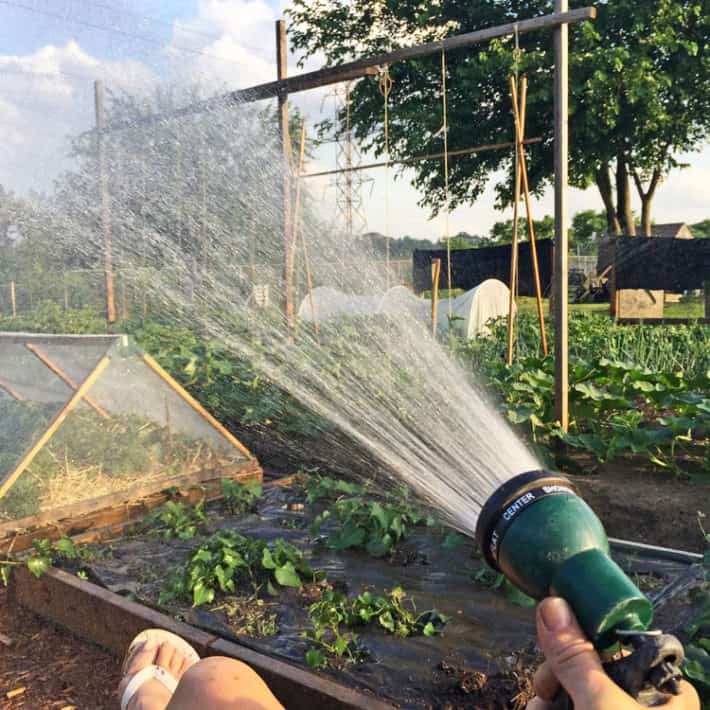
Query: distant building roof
{"points": [[672, 230]]}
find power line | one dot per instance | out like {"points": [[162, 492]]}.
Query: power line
{"points": [[112, 30]]}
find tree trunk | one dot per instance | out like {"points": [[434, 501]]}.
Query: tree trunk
{"points": [[646, 199], [603, 181], [623, 198], [646, 215]]}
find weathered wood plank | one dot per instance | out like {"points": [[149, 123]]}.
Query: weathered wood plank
{"points": [[118, 509], [105, 618]]}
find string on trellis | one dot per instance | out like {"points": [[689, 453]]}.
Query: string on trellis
{"points": [[385, 86]]}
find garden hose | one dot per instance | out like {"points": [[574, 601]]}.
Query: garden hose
{"points": [[546, 540]]}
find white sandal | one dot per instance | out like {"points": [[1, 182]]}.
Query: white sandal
{"points": [[153, 672]]}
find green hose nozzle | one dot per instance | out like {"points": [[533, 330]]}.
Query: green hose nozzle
{"points": [[546, 540]]}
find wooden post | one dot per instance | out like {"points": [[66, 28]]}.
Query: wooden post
{"points": [[124, 302], [298, 227], [13, 299], [285, 139], [561, 285], [435, 274], [105, 204]]}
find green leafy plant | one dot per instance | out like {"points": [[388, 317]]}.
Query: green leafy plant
{"points": [[335, 614], [175, 519], [42, 555], [319, 487], [240, 497], [229, 561], [633, 389], [375, 526]]}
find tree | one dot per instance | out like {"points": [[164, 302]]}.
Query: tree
{"points": [[637, 96], [588, 226], [701, 229], [502, 232]]}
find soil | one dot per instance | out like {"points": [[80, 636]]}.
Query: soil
{"points": [[639, 505], [56, 669]]}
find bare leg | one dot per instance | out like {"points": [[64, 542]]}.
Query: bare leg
{"points": [[153, 695], [220, 684]]}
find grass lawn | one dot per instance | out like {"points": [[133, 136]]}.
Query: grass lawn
{"points": [[689, 309]]}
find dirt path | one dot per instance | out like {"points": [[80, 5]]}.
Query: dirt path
{"points": [[654, 508], [57, 670]]}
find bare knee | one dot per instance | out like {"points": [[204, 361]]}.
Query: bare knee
{"points": [[219, 682], [217, 668]]}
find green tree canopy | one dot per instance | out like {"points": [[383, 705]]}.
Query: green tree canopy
{"points": [[638, 92], [588, 226], [502, 232], [701, 229]]}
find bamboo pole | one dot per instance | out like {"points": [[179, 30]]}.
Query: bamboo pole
{"points": [[561, 152], [13, 299], [78, 395], [514, 251], [298, 229], [64, 377], [169, 425], [435, 274], [13, 393], [528, 208], [181, 392]]}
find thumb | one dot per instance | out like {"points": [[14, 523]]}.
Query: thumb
{"points": [[573, 660]]}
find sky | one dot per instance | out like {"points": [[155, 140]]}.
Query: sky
{"points": [[52, 50]]}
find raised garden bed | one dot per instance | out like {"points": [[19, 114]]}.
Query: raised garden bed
{"points": [[482, 657]]}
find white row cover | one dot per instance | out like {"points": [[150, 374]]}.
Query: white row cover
{"points": [[471, 310]]}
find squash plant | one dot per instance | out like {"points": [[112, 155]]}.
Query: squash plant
{"points": [[335, 615], [229, 560]]}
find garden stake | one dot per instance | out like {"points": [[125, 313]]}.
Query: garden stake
{"points": [[297, 228], [435, 273], [519, 115], [514, 252]]}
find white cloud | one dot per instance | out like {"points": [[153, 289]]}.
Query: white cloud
{"points": [[47, 95]]}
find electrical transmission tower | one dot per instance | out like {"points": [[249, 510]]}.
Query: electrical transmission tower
{"points": [[349, 182]]}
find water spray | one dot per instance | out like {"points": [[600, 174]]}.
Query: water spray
{"points": [[546, 540]]}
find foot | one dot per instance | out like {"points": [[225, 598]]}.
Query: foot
{"points": [[153, 695]]}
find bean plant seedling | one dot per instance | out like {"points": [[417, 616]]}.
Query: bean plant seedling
{"points": [[229, 561], [335, 614], [176, 519], [240, 497]]}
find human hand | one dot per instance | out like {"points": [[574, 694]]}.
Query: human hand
{"points": [[572, 662]]}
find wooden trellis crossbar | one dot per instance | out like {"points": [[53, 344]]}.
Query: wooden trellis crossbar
{"points": [[365, 66], [429, 156], [66, 410], [187, 397], [68, 381]]}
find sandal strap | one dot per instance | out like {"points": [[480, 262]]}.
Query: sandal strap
{"points": [[151, 672]]}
